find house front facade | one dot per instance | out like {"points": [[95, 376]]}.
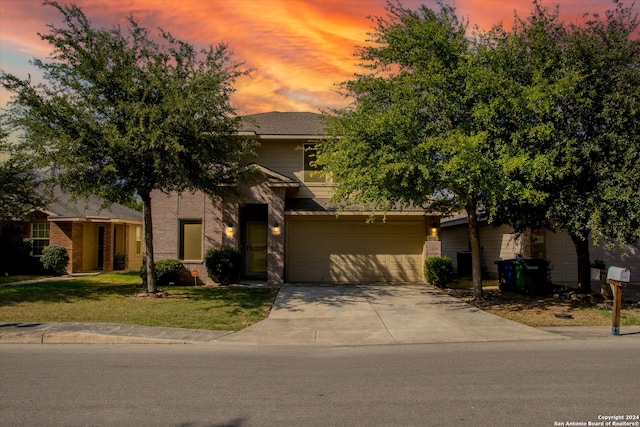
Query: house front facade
{"points": [[96, 236], [285, 226], [500, 243]]}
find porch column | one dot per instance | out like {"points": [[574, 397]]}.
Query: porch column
{"points": [[107, 258], [276, 238]]}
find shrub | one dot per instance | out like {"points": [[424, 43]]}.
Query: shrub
{"points": [[438, 271], [55, 259], [15, 256], [168, 271], [223, 265]]}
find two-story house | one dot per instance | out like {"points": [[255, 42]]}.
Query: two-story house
{"points": [[285, 226]]}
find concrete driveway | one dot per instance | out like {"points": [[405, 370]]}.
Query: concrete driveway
{"points": [[378, 314]]}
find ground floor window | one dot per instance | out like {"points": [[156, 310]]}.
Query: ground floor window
{"points": [[39, 237], [190, 239], [138, 240]]}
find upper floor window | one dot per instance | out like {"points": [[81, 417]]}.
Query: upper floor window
{"points": [[39, 237], [312, 173]]}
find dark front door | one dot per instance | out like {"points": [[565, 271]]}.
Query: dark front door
{"points": [[256, 249], [254, 240]]}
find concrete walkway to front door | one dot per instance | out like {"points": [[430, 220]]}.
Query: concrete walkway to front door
{"points": [[378, 314]]}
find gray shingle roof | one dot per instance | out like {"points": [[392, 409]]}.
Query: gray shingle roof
{"points": [[287, 123], [325, 205], [63, 207]]}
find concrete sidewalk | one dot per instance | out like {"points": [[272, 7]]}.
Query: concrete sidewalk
{"points": [[332, 316]]}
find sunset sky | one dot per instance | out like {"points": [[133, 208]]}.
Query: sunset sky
{"points": [[299, 49]]}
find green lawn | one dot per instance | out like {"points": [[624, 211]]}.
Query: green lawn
{"points": [[19, 278], [112, 298]]}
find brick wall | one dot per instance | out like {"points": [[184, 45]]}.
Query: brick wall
{"points": [[77, 244], [168, 210], [108, 248], [274, 198], [61, 234], [164, 219]]}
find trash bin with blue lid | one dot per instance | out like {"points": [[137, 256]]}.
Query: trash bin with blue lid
{"points": [[507, 275], [526, 275]]}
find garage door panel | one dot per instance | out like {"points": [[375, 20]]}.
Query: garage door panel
{"points": [[562, 254], [354, 251]]}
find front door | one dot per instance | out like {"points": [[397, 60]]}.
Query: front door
{"points": [[256, 249]]}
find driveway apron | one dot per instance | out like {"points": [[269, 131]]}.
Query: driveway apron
{"points": [[378, 314]]}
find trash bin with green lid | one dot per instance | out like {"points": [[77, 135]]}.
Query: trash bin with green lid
{"points": [[531, 275]]}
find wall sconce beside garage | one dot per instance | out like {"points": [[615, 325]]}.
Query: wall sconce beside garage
{"points": [[434, 229]]}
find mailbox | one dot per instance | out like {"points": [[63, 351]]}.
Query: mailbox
{"points": [[619, 274], [617, 277]]}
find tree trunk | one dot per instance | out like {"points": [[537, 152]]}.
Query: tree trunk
{"points": [[476, 256], [581, 243], [148, 243]]}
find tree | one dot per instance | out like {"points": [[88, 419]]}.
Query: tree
{"points": [[18, 183], [424, 126], [593, 139], [127, 113]]}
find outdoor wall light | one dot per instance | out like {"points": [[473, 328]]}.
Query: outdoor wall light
{"points": [[275, 229], [229, 230], [434, 228]]}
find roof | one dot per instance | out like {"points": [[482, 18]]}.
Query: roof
{"points": [[63, 207], [459, 219], [275, 179], [319, 205], [287, 123]]}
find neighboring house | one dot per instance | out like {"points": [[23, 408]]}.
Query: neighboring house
{"points": [[501, 242], [285, 227], [91, 233]]}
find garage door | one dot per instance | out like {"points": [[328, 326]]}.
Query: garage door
{"points": [[343, 249], [562, 254]]}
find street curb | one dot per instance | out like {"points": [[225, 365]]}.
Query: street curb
{"points": [[61, 337]]}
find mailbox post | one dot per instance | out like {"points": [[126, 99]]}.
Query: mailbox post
{"points": [[618, 278]]}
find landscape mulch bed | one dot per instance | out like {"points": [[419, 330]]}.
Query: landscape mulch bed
{"points": [[562, 306]]}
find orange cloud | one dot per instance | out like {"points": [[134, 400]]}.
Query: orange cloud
{"points": [[299, 49]]}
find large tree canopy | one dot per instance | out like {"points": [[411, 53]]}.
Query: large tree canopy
{"points": [[125, 112], [18, 183], [590, 108], [425, 126], [536, 126]]}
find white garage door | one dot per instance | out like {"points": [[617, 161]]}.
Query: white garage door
{"points": [[562, 255], [347, 249]]}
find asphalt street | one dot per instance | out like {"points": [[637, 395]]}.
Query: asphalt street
{"points": [[532, 383]]}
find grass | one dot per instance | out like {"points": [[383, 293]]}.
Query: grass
{"points": [[112, 298], [19, 278], [627, 317], [541, 311]]}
